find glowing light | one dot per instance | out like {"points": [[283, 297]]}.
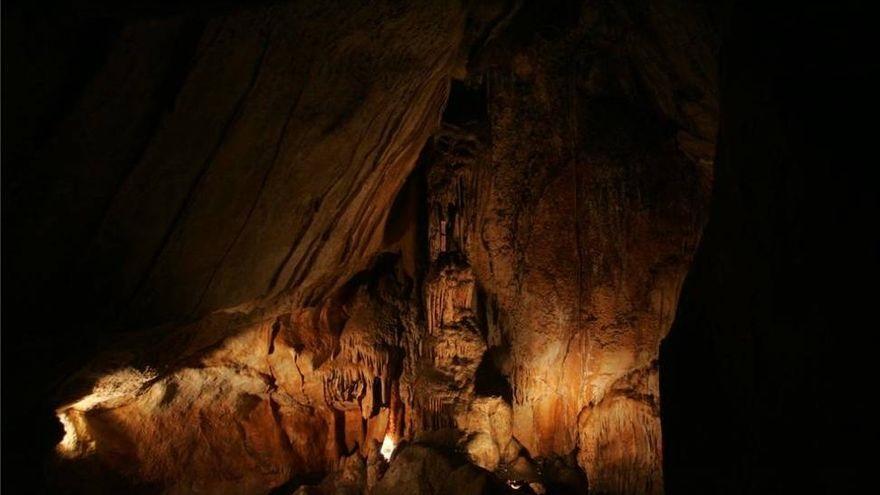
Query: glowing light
{"points": [[516, 485], [113, 388], [69, 445], [387, 447]]}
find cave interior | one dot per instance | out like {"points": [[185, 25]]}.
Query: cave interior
{"points": [[438, 247]]}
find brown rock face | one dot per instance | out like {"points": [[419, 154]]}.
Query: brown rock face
{"points": [[272, 171], [310, 293], [577, 203], [266, 185]]}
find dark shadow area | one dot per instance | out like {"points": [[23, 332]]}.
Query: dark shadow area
{"points": [[52, 51], [490, 382], [765, 372], [466, 105]]}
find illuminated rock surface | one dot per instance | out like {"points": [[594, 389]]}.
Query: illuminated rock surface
{"points": [[463, 228]]}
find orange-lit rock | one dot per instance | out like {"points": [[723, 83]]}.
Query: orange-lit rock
{"points": [[245, 396], [487, 421], [578, 214], [503, 308]]}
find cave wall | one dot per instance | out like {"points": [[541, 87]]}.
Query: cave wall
{"points": [[576, 204], [229, 193], [218, 155], [276, 133], [245, 403]]}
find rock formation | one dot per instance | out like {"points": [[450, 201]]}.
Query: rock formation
{"points": [[577, 203], [460, 229]]}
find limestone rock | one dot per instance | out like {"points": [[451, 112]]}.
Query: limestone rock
{"points": [[349, 477], [301, 315], [620, 438], [483, 451], [523, 470], [468, 480], [538, 488], [562, 475], [416, 470], [578, 216], [289, 129], [488, 420], [376, 467]]}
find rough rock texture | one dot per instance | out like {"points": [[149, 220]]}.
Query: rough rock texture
{"points": [[348, 478], [416, 469], [242, 193], [488, 421], [272, 168], [421, 470], [244, 161], [576, 200], [248, 400]]}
